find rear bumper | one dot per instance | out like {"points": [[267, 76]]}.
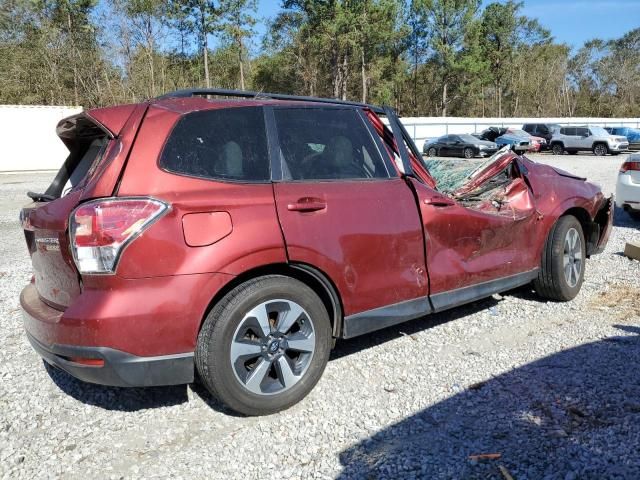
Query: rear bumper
{"points": [[119, 369], [627, 192], [141, 332]]}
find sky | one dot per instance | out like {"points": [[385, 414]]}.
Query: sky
{"points": [[570, 21]]}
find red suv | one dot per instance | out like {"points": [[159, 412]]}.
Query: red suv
{"points": [[238, 237]]}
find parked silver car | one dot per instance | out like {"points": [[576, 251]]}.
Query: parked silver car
{"points": [[595, 139]]}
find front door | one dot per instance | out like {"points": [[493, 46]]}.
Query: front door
{"points": [[475, 249], [344, 210]]}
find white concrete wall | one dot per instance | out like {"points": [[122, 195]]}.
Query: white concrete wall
{"points": [[28, 139], [422, 128]]}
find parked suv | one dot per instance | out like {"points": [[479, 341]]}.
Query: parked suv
{"points": [[238, 238], [595, 139], [543, 130]]}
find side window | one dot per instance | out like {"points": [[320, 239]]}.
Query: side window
{"points": [[583, 132], [569, 131], [226, 144], [326, 144]]}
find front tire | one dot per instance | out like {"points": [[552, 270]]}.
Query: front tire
{"points": [[563, 261], [600, 149], [432, 152], [264, 346], [557, 149]]}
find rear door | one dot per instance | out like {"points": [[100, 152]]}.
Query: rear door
{"points": [[584, 138], [457, 146], [447, 146], [344, 209], [569, 137]]}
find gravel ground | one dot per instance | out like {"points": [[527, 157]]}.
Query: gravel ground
{"points": [[553, 388]]}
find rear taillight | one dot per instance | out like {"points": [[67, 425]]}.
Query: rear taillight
{"points": [[101, 229], [627, 166]]}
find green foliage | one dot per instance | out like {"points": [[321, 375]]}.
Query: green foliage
{"points": [[423, 57]]}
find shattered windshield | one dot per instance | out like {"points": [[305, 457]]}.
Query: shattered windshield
{"points": [[451, 174]]}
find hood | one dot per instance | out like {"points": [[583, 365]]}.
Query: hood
{"points": [[566, 174], [620, 138]]}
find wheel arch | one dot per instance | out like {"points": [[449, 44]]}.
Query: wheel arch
{"points": [[311, 276], [590, 228]]}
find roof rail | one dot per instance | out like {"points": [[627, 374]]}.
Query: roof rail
{"points": [[204, 92]]}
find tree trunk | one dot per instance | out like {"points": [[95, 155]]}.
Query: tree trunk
{"points": [[335, 71], [444, 99], [240, 62], [364, 76], [205, 49], [75, 65], [345, 77]]}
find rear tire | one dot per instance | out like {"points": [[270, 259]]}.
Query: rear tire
{"points": [[264, 346], [557, 149], [563, 261], [600, 149], [468, 153]]}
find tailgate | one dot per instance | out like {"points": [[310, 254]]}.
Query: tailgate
{"points": [[54, 273], [45, 220]]}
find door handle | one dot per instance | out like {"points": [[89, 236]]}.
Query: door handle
{"points": [[439, 202], [307, 205]]}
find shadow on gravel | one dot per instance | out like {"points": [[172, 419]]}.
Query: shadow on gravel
{"points": [[116, 398], [575, 414], [623, 219], [344, 348], [131, 399]]}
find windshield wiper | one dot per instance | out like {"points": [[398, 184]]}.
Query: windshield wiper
{"points": [[40, 197]]}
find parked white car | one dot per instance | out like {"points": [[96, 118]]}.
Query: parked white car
{"points": [[628, 186], [582, 139]]}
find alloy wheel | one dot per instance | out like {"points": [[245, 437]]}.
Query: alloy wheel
{"points": [[432, 152], [600, 150], [272, 347], [572, 259]]}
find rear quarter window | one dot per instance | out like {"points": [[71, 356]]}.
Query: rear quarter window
{"points": [[224, 144]]}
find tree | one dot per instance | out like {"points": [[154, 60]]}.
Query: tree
{"points": [[444, 25], [204, 18], [504, 33], [238, 23]]}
